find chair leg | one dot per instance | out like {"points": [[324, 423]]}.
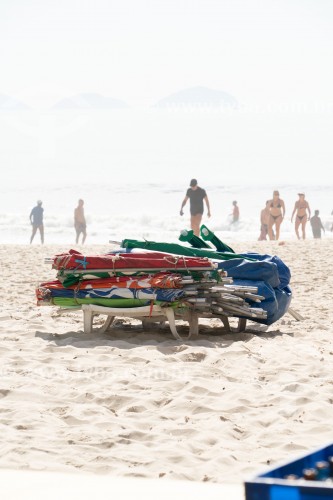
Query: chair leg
{"points": [[87, 321], [107, 324], [171, 319], [193, 324], [226, 323], [241, 325]]}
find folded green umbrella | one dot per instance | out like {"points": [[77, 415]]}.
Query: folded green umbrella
{"points": [[208, 235], [177, 249], [117, 303], [192, 239], [71, 302]]}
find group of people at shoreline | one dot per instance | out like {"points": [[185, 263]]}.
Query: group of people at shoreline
{"points": [[271, 216], [274, 212]]}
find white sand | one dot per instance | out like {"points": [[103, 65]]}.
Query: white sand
{"points": [[35, 485], [141, 404]]}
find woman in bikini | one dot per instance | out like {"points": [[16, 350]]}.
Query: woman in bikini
{"points": [[303, 214], [277, 212]]}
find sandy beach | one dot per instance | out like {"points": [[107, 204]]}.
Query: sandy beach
{"points": [[131, 403]]}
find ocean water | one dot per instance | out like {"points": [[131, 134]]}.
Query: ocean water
{"points": [[146, 210]]}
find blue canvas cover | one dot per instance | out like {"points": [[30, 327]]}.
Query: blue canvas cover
{"points": [[272, 277], [283, 269], [252, 270]]}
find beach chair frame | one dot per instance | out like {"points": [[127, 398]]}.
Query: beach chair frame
{"points": [[148, 314]]}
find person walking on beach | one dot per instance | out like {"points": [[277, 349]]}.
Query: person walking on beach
{"points": [[235, 213], [36, 220], [316, 225], [197, 196], [277, 212], [80, 222], [303, 214]]}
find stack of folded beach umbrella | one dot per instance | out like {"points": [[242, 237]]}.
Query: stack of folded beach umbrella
{"points": [[255, 278], [124, 279]]}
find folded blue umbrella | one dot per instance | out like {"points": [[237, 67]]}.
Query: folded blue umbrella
{"points": [[283, 269], [161, 294], [252, 270], [275, 303]]}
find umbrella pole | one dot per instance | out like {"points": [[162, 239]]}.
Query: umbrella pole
{"points": [[295, 314]]}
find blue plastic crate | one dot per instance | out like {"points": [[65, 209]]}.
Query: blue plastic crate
{"points": [[271, 485]]}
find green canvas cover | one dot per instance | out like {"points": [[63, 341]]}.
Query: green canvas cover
{"points": [[177, 249]]}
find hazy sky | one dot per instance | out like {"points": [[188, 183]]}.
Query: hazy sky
{"points": [[141, 50], [275, 53]]}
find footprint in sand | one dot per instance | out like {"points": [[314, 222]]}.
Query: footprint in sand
{"points": [[193, 357]]}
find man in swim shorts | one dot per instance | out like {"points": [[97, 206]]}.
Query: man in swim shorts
{"points": [[36, 220], [264, 220], [235, 212], [316, 225], [197, 196]]}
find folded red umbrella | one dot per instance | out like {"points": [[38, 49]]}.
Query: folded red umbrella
{"points": [[74, 260]]}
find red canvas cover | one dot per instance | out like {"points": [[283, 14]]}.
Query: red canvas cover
{"points": [[74, 260]]}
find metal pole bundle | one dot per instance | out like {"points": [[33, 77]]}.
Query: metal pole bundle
{"points": [[224, 298]]}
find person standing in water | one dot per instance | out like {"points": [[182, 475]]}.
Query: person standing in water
{"points": [[197, 196], [303, 214], [277, 212], [80, 222], [36, 220], [235, 212]]}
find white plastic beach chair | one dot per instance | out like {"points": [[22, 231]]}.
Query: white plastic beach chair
{"points": [[146, 312]]}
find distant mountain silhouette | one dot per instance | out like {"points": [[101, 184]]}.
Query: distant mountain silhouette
{"points": [[8, 103], [199, 97], [89, 101]]}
